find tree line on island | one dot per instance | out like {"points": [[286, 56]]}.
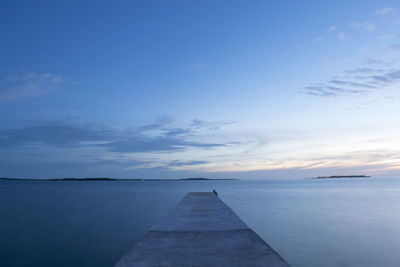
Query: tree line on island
{"points": [[341, 176]]}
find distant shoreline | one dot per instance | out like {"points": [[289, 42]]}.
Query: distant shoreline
{"points": [[112, 179], [341, 176]]}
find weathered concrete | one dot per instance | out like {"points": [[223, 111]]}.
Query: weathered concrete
{"points": [[201, 231]]}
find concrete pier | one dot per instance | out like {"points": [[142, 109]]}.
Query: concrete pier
{"points": [[201, 231]]}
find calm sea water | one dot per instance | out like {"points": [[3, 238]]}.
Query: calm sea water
{"points": [[337, 222]]}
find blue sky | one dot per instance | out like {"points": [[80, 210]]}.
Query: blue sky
{"points": [[171, 89]]}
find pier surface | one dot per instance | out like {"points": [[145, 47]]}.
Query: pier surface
{"points": [[201, 231]]}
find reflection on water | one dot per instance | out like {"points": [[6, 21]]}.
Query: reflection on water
{"points": [[337, 222]]}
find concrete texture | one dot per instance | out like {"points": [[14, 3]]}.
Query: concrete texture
{"points": [[202, 211], [201, 231]]}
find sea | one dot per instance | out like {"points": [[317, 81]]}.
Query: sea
{"points": [[309, 222]]}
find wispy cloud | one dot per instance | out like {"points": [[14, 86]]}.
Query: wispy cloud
{"points": [[326, 90], [158, 124], [54, 133], [378, 158], [356, 81], [318, 39], [387, 36], [342, 36], [177, 163], [29, 84], [73, 134], [155, 144], [210, 125], [332, 28], [384, 11], [364, 26], [120, 162], [381, 64]]}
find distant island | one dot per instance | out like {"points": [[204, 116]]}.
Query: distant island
{"points": [[112, 179], [341, 176], [59, 179]]}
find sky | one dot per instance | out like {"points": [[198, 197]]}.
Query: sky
{"points": [[218, 89]]}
